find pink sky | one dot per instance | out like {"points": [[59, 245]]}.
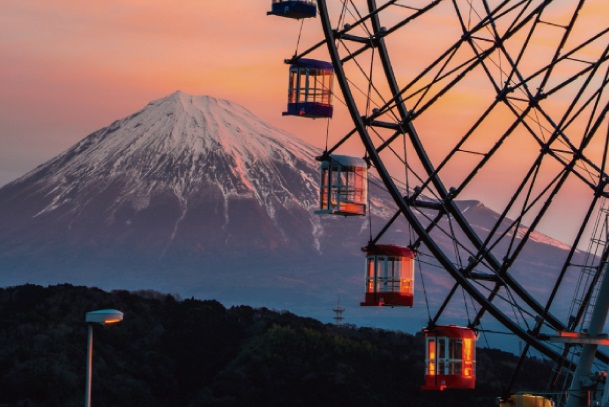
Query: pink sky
{"points": [[70, 67]]}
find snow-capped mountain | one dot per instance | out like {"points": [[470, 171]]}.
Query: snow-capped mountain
{"points": [[191, 194], [196, 196], [203, 163]]}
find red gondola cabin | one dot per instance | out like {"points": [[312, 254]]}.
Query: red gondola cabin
{"points": [[310, 89], [293, 8], [450, 358], [344, 186], [389, 276]]}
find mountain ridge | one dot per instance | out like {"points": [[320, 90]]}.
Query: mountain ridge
{"points": [[195, 195], [184, 153], [184, 148]]}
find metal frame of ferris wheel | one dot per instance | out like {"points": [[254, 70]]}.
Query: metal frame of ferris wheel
{"points": [[445, 205]]}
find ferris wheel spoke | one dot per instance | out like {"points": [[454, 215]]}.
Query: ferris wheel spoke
{"points": [[399, 198], [464, 226], [590, 103], [482, 248], [417, 13], [536, 75], [542, 81], [570, 56], [444, 304]]}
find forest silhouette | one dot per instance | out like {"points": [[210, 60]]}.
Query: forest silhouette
{"points": [[170, 351]]}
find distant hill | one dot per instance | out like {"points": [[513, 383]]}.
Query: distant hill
{"points": [[174, 352]]}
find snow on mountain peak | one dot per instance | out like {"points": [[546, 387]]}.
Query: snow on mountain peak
{"points": [[180, 143], [203, 124]]}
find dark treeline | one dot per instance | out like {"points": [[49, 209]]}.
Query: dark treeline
{"points": [[173, 352]]}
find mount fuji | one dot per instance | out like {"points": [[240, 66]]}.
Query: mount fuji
{"points": [[196, 196], [190, 195], [169, 175]]}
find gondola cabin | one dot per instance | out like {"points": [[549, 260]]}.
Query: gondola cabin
{"points": [[389, 276], [450, 358], [310, 89], [293, 8], [344, 186]]}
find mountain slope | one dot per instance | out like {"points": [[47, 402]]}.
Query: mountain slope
{"points": [[195, 195], [191, 194], [199, 162]]}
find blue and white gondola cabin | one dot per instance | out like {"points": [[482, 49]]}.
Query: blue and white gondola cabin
{"points": [[293, 8], [310, 89], [344, 186]]}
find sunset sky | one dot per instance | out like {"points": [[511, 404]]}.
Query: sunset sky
{"points": [[71, 67]]}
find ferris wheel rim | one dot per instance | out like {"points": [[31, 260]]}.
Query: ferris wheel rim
{"points": [[459, 278]]}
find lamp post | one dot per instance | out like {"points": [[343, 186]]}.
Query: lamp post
{"points": [[102, 317]]}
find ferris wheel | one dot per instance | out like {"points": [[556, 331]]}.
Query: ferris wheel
{"points": [[502, 101]]}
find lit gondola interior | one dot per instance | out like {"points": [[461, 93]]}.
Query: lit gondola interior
{"points": [[344, 186], [310, 89], [450, 358], [389, 276], [526, 400], [293, 8]]}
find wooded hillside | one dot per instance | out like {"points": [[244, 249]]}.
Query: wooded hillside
{"points": [[174, 352]]}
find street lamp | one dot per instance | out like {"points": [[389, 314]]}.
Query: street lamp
{"points": [[102, 317]]}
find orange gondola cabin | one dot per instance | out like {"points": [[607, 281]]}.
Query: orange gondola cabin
{"points": [[293, 8], [389, 276], [344, 185], [450, 358], [310, 89]]}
